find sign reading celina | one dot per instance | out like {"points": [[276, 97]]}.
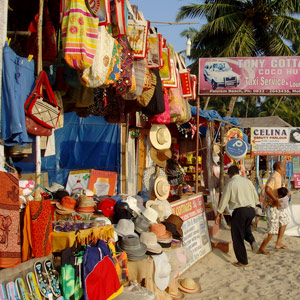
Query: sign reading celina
{"points": [[277, 75], [275, 141]]}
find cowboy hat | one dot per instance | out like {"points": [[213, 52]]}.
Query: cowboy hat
{"points": [[160, 136], [161, 188], [160, 157]]}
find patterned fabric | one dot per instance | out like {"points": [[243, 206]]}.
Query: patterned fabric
{"points": [[276, 218], [79, 35], [10, 243], [41, 227]]}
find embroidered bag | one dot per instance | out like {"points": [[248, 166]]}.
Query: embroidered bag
{"points": [[101, 9], [79, 34], [173, 82], [165, 72], [184, 75], [41, 105], [96, 75], [148, 89], [124, 83], [137, 32]]}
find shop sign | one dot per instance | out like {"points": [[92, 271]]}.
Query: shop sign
{"points": [[237, 76], [236, 149], [297, 180], [195, 230], [234, 133], [275, 141]]}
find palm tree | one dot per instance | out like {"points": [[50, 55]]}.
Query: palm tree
{"points": [[244, 28]]}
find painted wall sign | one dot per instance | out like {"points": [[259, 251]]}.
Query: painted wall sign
{"points": [[224, 76], [297, 180], [275, 141], [236, 149]]}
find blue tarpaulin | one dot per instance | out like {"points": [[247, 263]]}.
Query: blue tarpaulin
{"points": [[83, 143]]}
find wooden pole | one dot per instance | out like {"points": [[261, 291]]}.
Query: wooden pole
{"points": [[221, 159], [37, 195], [197, 144]]}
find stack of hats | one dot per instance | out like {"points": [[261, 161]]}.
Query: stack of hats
{"points": [[125, 227], [66, 206], [162, 207], [151, 214], [141, 224], [164, 237], [150, 240], [133, 247], [174, 223], [135, 204], [121, 211], [86, 205]]}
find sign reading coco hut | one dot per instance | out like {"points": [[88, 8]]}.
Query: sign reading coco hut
{"points": [[275, 141], [194, 227], [249, 76]]}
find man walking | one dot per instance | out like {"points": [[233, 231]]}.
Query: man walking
{"points": [[277, 218], [241, 196]]}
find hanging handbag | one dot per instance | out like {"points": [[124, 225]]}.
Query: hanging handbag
{"points": [[184, 75], [137, 32], [100, 9], [124, 83], [41, 105], [165, 72], [35, 128], [79, 34], [165, 117], [96, 75], [154, 52], [119, 15], [173, 81]]}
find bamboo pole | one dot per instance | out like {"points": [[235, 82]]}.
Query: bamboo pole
{"points": [[197, 144], [37, 195]]}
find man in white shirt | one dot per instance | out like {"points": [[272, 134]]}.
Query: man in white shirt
{"points": [[241, 196]]}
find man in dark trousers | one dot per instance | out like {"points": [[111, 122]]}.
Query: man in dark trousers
{"points": [[241, 196]]}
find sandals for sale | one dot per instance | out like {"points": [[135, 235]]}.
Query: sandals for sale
{"points": [[33, 286], [21, 289], [12, 291], [53, 278], [3, 294], [42, 280]]}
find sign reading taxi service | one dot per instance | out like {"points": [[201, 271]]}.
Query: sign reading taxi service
{"points": [[238, 76]]}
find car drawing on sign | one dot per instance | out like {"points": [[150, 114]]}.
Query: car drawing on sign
{"points": [[220, 74]]}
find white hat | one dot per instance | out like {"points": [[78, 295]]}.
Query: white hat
{"points": [[160, 136], [149, 178], [162, 271], [132, 202], [161, 188], [125, 227], [106, 220], [87, 193], [150, 214], [163, 207], [150, 240]]}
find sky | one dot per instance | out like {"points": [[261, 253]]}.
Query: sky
{"points": [[166, 11]]}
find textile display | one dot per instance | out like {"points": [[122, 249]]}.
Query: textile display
{"points": [[79, 34], [119, 16], [101, 9], [17, 83], [41, 227], [10, 236]]}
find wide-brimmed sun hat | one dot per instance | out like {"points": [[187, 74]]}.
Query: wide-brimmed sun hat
{"points": [[66, 206], [160, 136], [133, 204], [160, 157], [189, 285], [141, 224], [162, 271], [151, 214], [125, 227], [134, 249], [161, 188], [150, 240]]}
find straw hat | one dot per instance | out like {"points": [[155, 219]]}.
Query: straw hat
{"points": [[177, 295], [160, 157], [160, 136], [66, 206], [161, 188], [189, 285], [149, 178]]}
